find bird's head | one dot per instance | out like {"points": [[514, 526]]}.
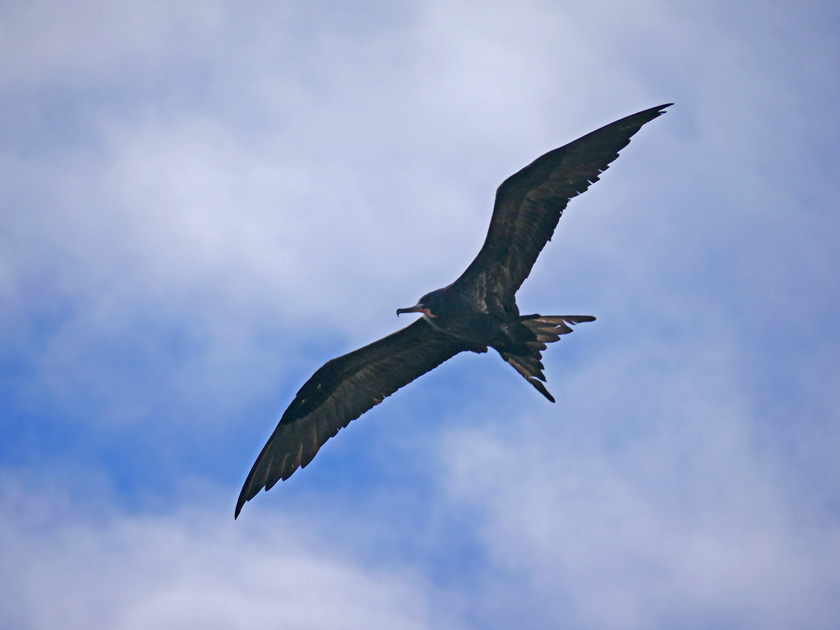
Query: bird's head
{"points": [[431, 305]]}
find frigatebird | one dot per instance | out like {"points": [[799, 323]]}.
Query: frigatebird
{"points": [[476, 312]]}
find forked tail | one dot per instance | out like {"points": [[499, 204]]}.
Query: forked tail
{"points": [[529, 337]]}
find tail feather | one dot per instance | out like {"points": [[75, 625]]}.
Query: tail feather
{"points": [[529, 340]]}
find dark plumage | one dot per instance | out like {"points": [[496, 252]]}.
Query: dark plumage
{"points": [[476, 312]]}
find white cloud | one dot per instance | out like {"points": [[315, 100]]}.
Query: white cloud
{"points": [[629, 510], [95, 40], [106, 569]]}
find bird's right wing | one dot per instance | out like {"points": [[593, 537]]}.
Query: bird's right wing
{"points": [[341, 391]]}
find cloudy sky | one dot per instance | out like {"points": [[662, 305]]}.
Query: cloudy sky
{"points": [[201, 202]]}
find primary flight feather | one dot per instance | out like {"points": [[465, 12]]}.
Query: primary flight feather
{"points": [[476, 312]]}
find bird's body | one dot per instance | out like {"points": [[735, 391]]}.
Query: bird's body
{"points": [[476, 312]]}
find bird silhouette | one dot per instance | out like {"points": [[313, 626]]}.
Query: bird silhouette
{"points": [[476, 312]]}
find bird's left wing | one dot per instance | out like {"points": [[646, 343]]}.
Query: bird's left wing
{"points": [[341, 391], [529, 204]]}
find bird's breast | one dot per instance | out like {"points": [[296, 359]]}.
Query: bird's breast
{"points": [[472, 326]]}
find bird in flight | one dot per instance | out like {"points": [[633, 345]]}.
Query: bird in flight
{"points": [[476, 312]]}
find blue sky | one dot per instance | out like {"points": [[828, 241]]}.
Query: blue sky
{"points": [[201, 203]]}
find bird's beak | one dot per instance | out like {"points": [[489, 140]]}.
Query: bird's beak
{"points": [[417, 308]]}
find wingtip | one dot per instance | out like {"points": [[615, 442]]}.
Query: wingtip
{"points": [[656, 111], [652, 112], [240, 502], [661, 109]]}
